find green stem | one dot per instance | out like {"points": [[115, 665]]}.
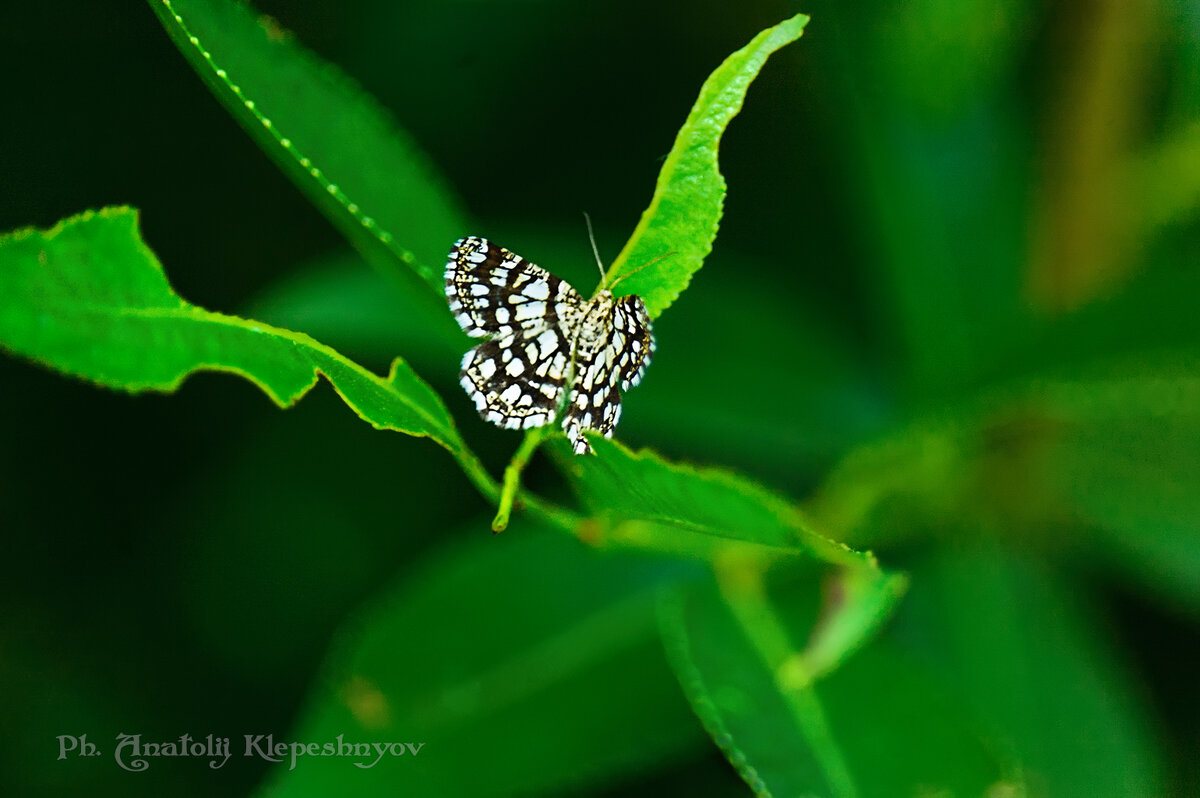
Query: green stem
{"points": [[547, 511], [477, 474], [512, 476], [551, 513]]}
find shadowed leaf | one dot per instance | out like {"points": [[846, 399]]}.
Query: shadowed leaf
{"points": [[532, 658], [334, 141]]}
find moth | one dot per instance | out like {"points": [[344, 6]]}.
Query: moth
{"points": [[546, 348]]}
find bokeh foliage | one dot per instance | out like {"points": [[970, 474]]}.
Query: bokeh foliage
{"points": [[958, 320]]}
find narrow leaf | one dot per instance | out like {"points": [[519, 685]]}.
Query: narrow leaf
{"points": [[779, 747], [330, 137], [875, 727], [857, 604], [89, 298], [638, 489], [686, 208]]}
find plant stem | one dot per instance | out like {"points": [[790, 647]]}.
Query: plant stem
{"points": [[477, 474], [545, 510], [512, 476]]}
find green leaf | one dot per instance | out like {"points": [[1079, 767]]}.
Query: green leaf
{"points": [[1019, 649], [330, 137], [876, 726], [859, 602], [683, 215], [651, 502], [89, 298], [777, 740], [1125, 456], [528, 666], [991, 678]]}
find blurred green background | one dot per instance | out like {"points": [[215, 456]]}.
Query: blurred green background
{"points": [[957, 272]]}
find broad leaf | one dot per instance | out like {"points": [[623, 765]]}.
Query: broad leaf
{"points": [[526, 667], [89, 298], [686, 207], [1016, 646], [990, 679], [330, 137]]}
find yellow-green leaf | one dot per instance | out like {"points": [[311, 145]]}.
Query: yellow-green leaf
{"points": [[686, 208]]}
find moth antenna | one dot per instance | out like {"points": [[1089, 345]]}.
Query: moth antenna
{"points": [[596, 252], [644, 266]]}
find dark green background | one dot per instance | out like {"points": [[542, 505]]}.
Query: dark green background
{"points": [[178, 564]]}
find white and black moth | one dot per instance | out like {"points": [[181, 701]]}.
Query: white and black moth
{"points": [[545, 342]]}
